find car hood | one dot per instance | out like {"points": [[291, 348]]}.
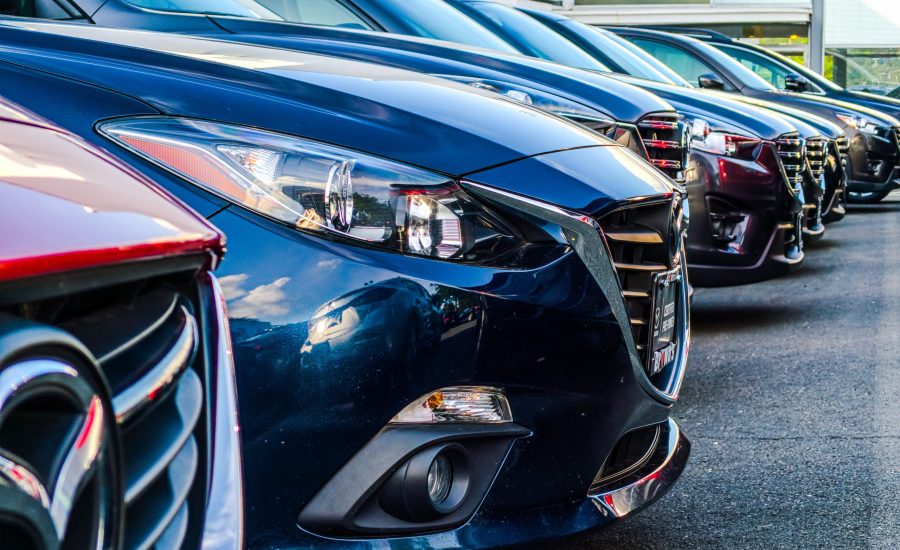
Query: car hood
{"points": [[71, 207], [695, 103], [405, 116], [807, 123], [880, 103], [620, 100], [825, 104]]}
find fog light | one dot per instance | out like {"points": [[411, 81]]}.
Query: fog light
{"points": [[470, 404], [432, 484], [440, 479]]}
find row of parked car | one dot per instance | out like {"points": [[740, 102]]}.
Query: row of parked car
{"points": [[459, 236]]}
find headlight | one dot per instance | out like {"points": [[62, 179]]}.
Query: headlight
{"points": [[703, 138], [320, 188], [858, 122]]}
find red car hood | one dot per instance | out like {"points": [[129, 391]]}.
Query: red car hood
{"points": [[65, 205]]}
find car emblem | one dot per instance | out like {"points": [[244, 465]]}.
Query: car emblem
{"points": [[42, 485]]}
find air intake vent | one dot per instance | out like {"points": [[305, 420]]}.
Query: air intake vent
{"points": [[665, 139], [645, 244]]}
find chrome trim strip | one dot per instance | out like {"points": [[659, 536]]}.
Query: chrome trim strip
{"points": [[620, 502], [158, 378], [224, 525], [583, 235]]}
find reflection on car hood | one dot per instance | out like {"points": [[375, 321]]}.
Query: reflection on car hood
{"points": [[807, 123], [402, 115], [800, 100], [621, 101]]}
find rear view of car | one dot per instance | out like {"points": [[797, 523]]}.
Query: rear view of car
{"points": [[118, 420]]}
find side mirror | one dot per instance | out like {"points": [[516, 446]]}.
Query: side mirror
{"points": [[795, 83], [711, 81]]}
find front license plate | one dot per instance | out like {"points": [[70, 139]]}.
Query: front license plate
{"points": [[665, 315]]}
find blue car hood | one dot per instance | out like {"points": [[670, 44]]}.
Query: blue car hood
{"points": [[803, 101], [880, 103], [807, 123], [621, 101], [695, 103], [405, 116]]}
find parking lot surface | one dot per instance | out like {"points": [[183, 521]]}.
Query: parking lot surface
{"points": [[792, 403]]}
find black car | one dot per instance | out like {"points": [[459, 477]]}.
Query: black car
{"points": [[786, 74], [874, 137]]}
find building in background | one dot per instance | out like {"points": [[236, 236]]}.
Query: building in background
{"points": [[861, 37]]}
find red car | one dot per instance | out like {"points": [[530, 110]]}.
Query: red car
{"points": [[118, 419]]}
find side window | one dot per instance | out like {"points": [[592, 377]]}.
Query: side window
{"points": [[330, 13], [44, 9], [771, 72], [679, 60]]}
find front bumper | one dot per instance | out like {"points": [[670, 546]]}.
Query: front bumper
{"points": [[745, 222]]}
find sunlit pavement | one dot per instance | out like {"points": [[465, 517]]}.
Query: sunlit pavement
{"points": [[792, 402]]}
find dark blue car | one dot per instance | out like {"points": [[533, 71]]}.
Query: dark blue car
{"points": [[525, 275]]}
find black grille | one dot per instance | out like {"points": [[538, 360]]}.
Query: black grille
{"points": [[147, 339], [790, 150], [664, 138], [843, 148], [816, 149], [643, 240], [895, 133]]}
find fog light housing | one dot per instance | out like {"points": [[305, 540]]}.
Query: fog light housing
{"points": [[433, 483]]}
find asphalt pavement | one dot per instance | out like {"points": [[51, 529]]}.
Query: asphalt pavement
{"points": [[792, 403]]}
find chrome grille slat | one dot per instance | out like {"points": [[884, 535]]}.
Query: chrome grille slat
{"points": [[815, 155], [173, 536], [153, 512], [161, 376], [152, 444], [664, 137]]}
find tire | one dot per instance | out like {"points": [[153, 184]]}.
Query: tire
{"points": [[868, 197]]}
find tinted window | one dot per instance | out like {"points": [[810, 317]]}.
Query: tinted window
{"points": [[239, 8], [317, 12], [677, 59], [45, 9], [533, 37], [435, 19], [766, 69]]}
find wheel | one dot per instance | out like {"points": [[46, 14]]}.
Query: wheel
{"points": [[867, 197]]}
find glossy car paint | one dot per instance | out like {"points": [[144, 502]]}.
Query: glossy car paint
{"points": [[119, 217], [621, 102], [304, 417], [873, 158], [83, 219]]}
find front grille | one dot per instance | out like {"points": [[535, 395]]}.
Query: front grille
{"points": [[147, 338], [643, 240], [790, 151], [664, 137], [843, 148], [816, 149], [895, 133]]}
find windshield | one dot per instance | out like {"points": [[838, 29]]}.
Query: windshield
{"points": [[670, 75], [530, 36], [436, 19], [795, 67], [239, 8], [745, 75]]}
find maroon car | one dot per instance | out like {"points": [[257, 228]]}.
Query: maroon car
{"points": [[118, 420]]}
